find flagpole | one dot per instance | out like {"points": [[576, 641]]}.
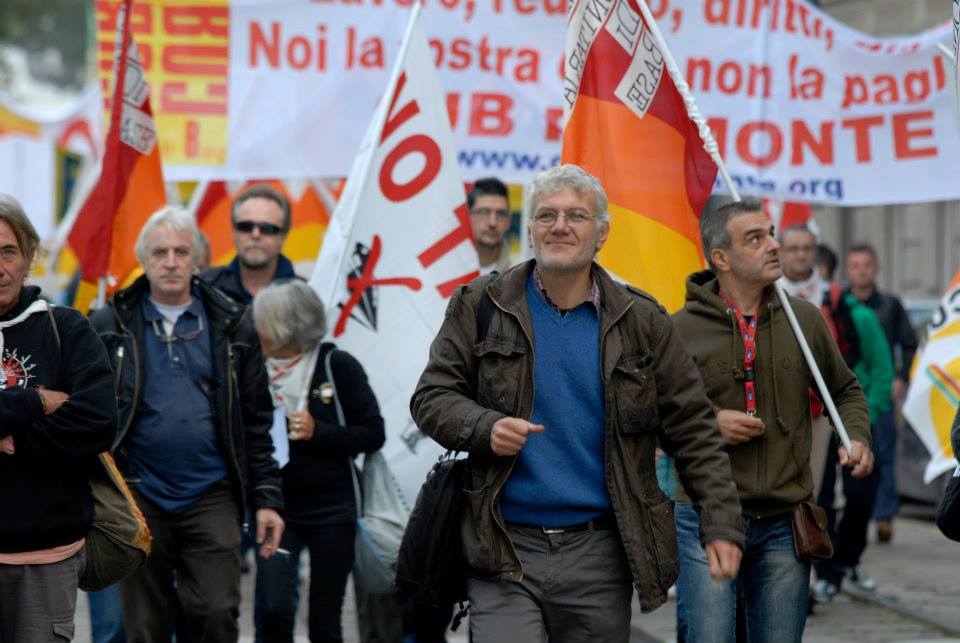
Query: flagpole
{"points": [[710, 144], [381, 116], [197, 197], [946, 52]]}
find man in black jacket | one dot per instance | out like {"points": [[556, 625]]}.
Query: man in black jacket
{"points": [[194, 441], [260, 217], [57, 412], [862, 268]]}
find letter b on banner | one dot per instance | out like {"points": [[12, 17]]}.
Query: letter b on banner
{"points": [[432, 161]]}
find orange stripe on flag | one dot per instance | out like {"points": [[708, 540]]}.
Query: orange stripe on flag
{"points": [[640, 162]]}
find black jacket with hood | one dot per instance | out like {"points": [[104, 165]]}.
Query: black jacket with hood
{"points": [[46, 501]]}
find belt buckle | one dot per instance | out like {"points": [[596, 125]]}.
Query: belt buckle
{"points": [[550, 531]]}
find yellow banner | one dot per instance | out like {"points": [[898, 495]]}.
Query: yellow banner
{"points": [[184, 46]]}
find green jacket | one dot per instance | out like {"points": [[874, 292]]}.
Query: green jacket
{"points": [[875, 369], [772, 472]]}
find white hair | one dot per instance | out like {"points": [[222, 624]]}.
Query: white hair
{"points": [[571, 176], [173, 218]]}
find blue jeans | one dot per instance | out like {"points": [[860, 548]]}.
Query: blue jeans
{"points": [[772, 586], [885, 451], [106, 616]]}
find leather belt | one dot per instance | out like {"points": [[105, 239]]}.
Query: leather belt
{"points": [[602, 522]]}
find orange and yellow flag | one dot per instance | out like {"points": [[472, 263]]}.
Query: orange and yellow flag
{"points": [[130, 187], [626, 124]]}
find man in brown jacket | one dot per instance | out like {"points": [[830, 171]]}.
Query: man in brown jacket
{"points": [[559, 383], [755, 374]]}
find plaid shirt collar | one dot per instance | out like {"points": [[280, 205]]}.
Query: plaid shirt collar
{"points": [[594, 298]]}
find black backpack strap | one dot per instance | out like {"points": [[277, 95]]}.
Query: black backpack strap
{"points": [[485, 309]]}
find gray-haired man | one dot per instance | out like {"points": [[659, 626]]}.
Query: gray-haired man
{"points": [[560, 407], [194, 442]]}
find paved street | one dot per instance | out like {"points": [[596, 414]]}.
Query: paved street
{"points": [[918, 599]]}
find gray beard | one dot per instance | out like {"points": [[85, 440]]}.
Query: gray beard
{"points": [[253, 265]]}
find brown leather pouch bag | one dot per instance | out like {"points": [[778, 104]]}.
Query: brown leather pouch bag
{"points": [[810, 537]]}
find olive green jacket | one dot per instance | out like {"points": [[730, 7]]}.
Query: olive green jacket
{"points": [[772, 471]]}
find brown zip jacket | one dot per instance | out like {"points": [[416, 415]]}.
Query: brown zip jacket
{"points": [[651, 392], [772, 471]]}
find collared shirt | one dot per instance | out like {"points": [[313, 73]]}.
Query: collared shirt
{"points": [[173, 443], [284, 271], [595, 297]]}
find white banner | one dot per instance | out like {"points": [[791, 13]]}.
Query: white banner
{"points": [[304, 79], [398, 244], [934, 392], [803, 107]]}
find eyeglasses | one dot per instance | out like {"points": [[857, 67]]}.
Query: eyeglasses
{"points": [[484, 213], [188, 336], [267, 229], [547, 218]]}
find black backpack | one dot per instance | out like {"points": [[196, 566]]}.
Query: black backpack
{"points": [[430, 566]]}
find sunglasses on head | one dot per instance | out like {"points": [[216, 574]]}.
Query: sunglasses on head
{"points": [[247, 227]]}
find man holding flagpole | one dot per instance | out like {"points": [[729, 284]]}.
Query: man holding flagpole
{"points": [[734, 325]]}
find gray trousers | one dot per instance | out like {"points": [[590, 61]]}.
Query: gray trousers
{"points": [[37, 601], [576, 587]]}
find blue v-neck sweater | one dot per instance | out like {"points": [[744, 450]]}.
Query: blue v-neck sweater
{"points": [[559, 478]]}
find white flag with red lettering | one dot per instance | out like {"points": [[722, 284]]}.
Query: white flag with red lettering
{"points": [[397, 247]]}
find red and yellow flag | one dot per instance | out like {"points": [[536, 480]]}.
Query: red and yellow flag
{"points": [[626, 124], [130, 187]]}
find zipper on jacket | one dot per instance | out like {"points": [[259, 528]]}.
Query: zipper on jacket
{"points": [[116, 376], [231, 382], [606, 441], [497, 517], [136, 374]]}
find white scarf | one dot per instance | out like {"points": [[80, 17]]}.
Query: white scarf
{"points": [[290, 379], [38, 306], [809, 289]]}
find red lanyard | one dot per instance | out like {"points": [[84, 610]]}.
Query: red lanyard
{"points": [[748, 333]]}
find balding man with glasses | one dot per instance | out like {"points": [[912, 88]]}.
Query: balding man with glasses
{"points": [[194, 444]]}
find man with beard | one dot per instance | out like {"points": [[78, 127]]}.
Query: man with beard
{"points": [[734, 326], [489, 220], [560, 406], [261, 220]]}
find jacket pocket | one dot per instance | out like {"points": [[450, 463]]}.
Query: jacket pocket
{"points": [[664, 536], [500, 374], [477, 530], [636, 390]]}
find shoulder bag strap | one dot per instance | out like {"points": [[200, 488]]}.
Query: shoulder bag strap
{"points": [[343, 423]]}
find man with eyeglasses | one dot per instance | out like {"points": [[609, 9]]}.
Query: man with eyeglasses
{"points": [[260, 216], [559, 397], [194, 444], [490, 220]]}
